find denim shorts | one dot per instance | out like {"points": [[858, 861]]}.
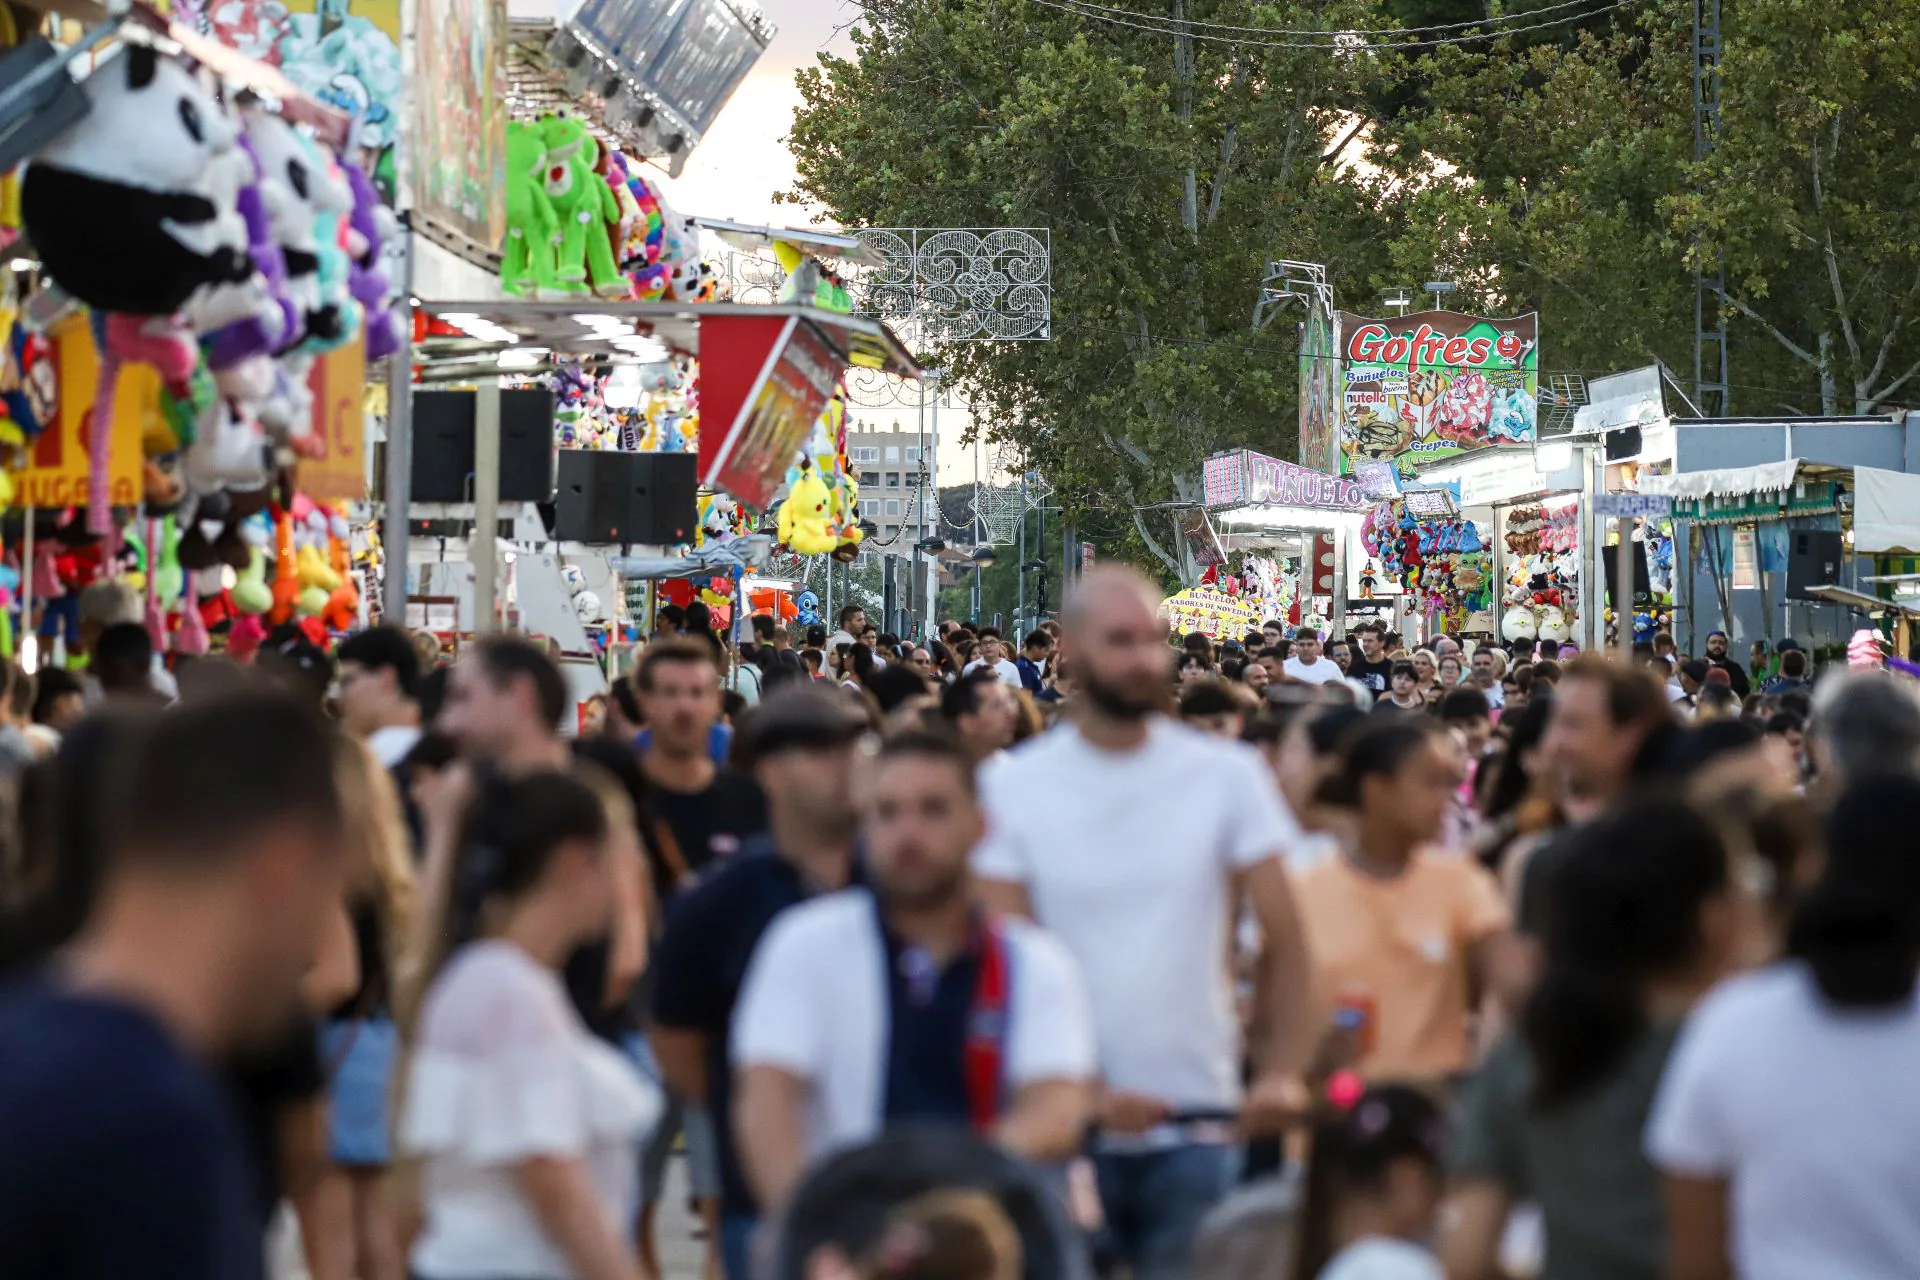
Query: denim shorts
{"points": [[703, 1152], [359, 1095]]}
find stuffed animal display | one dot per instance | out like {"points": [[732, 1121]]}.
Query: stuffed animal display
{"points": [[1442, 563], [228, 249], [1543, 551], [581, 221]]}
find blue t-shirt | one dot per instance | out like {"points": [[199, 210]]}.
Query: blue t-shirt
{"points": [[711, 932], [1030, 675], [719, 742], [119, 1155]]}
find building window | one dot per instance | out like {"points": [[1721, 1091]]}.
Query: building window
{"points": [[893, 507], [893, 479], [863, 453], [893, 453], [869, 478], [913, 453]]}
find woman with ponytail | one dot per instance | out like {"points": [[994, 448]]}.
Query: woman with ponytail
{"points": [[1789, 1119], [524, 1123], [1640, 926]]}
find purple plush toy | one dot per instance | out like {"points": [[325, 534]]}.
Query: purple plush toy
{"points": [[367, 278], [277, 324]]}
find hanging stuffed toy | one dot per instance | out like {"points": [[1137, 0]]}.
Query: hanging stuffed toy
{"points": [[133, 213], [122, 207], [584, 205], [527, 256], [803, 524], [372, 225]]}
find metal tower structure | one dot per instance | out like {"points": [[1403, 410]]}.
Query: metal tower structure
{"points": [[1710, 390]]}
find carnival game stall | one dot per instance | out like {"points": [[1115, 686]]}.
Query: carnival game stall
{"points": [[198, 279], [1295, 530]]}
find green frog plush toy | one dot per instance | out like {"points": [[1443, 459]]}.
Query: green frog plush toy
{"points": [[584, 206], [527, 257]]}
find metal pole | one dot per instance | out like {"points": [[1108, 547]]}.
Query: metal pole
{"points": [[27, 633], [1337, 624], [398, 489], [1623, 591], [482, 549], [828, 611], [1020, 615], [929, 437]]}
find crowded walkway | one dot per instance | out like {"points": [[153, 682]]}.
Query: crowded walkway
{"points": [[1092, 950]]}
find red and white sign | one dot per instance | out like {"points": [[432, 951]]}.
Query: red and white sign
{"points": [[763, 382]]}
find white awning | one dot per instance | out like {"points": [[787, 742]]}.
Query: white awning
{"points": [[1886, 512], [1726, 482]]}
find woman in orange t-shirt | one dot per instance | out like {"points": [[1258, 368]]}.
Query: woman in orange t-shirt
{"points": [[1396, 929]]}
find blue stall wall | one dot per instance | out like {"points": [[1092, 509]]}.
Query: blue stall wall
{"points": [[1889, 443]]}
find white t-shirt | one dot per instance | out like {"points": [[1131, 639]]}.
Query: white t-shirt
{"points": [[1127, 857], [1323, 671], [1009, 674], [1812, 1114], [815, 1003], [505, 1071], [1382, 1258]]}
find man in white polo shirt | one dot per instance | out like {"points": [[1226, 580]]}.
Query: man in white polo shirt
{"points": [[1133, 839], [907, 1003]]}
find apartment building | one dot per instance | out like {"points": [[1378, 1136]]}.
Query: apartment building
{"points": [[887, 465]]}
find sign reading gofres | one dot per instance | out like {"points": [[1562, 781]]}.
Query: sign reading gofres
{"points": [[1423, 387]]}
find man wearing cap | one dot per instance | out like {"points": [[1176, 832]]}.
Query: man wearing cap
{"points": [[802, 745], [1718, 660]]}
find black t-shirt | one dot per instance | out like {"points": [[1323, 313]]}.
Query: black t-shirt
{"points": [[713, 823], [262, 1085], [1736, 674], [1377, 676], [711, 933], [119, 1156]]}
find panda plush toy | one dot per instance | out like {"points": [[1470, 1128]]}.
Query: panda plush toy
{"points": [[132, 208]]}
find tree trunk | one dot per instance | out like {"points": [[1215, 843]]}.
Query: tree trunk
{"points": [[1829, 387]]}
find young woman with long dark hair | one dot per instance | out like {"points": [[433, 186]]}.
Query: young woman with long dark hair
{"points": [[524, 1122], [1640, 926], [1788, 1121], [1397, 930]]}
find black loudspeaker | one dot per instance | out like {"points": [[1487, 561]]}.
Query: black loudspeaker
{"points": [[647, 499], [1813, 560], [443, 446]]}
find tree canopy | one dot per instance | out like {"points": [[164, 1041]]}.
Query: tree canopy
{"points": [[1552, 171]]}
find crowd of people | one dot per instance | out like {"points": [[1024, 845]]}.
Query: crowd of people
{"points": [[1287, 958]]}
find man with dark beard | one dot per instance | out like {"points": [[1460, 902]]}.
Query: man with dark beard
{"points": [[1717, 657], [907, 1004], [1133, 838]]}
